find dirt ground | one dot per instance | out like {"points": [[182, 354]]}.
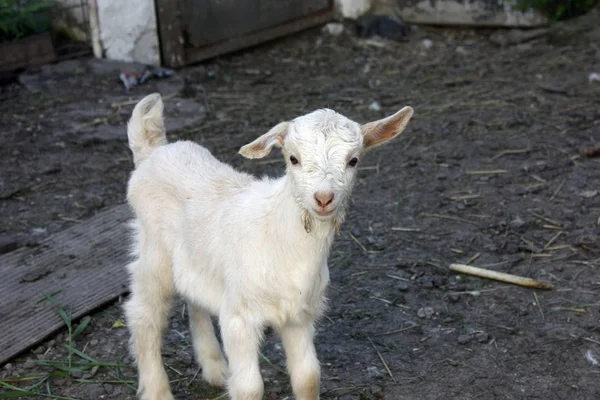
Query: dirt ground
{"points": [[490, 172]]}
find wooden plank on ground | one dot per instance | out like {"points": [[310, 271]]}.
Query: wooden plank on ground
{"points": [[86, 263]]}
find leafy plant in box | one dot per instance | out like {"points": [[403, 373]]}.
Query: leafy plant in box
{"points": [[21, 18]]}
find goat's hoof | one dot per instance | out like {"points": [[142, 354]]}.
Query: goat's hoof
{"points": [[215, 372]]}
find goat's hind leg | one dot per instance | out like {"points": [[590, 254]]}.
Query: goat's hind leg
{"points": [[147, 313], [206, 346]]}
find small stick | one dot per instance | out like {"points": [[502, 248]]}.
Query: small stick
{"points": [[382, 360], [475, 257], [537, 301], [557, 190], [489, 172], [544, 218], [449, 217], [507, 152], [358, 243], [552, 240], [405, 229], [396, 331], [591, 340], [499, 276]]}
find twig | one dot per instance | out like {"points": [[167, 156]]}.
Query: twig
{"points": [[449, 217], [357, 242], [488, 172], [475, 257], [397, 330], [553, 239], [405, 229], [507, 152], [499, 276], [591, 340], [382, 360], [544, 218], [558, 190], [537, 301]]}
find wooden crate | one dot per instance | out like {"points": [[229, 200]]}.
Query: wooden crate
{"points": [[29, 51], [195, 30]]}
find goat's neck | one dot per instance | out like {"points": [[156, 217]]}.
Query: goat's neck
{"points": [[294, 218]]}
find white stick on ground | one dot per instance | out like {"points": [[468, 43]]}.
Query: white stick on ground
{"points": [[499, 276]]}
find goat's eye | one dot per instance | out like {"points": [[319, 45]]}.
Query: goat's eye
{"points": [[293, 160], [353, 162]]}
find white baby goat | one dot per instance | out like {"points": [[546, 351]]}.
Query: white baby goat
{"points": [[251, 251]]}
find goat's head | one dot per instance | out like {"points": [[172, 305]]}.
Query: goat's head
{"points": [[322, 150]]}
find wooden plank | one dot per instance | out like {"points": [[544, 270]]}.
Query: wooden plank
{"points": [[29, 51], [206, 22], [193, 55], [86, 263], [170, 33]]}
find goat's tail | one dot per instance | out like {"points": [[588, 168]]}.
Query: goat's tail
{"points": [[146, 128]]}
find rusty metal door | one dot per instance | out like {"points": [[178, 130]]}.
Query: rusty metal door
{"points": [[194, 30]]}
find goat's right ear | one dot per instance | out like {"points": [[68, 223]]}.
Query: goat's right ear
{"points": [[262, 146]]}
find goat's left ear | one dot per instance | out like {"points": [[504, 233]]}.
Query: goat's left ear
{"points": [[378, 132], [262, 146]]}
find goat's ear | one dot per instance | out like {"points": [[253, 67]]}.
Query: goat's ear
{"points": [[378, 132], [262, 146]]}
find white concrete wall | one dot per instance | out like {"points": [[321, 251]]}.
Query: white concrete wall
{"points": [[128, 30]]}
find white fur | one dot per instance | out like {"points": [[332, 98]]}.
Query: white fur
{"points": [[252, 252]]}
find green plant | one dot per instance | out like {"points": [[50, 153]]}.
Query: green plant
{"points": [[20, 18], [557, 10]]}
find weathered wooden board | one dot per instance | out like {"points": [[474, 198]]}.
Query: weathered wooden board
{"points": [[212, 21], [86, 263], [30, 51], [195, 30]]}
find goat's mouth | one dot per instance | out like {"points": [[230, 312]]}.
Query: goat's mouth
{"points": [[324, 212]]}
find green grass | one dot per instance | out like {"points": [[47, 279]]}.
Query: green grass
{"points": [[76, 362]]}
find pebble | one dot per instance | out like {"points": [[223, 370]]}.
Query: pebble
{"points": [[426, 43], [39, 350], [425, 312], [373, 372], [29, 364], [334, 28], [93, 342], [403, 286], [375, 106], [454, 297], [464, 339], [482, 337], [8, 367]]}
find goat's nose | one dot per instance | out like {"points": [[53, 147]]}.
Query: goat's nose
{"points": [[324, 198]]}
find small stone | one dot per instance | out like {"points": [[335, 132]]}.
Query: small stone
{"points": [[426, 44], [403, 286], [29, 364], [51, 343], [333, 28], [375, 106], [482, 337], [355, 232], [425, 312], [377, 391], [453, 297], [39, 350], [8, 367], [373, 372], [461, 50], [93, 342], [464, 339]]}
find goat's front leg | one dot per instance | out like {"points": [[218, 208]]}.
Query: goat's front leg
{"points": [[241, 340], [302, 361]]}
